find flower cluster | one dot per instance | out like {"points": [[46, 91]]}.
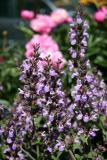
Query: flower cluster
{"points": [[42, 24], [2, 115], [4, 112], [19, 128], [42, 97], [89, 90], [45, 23], [60, 16], [48, 48], [1, 128], [27, 15], [50, 102], [101, 14]]}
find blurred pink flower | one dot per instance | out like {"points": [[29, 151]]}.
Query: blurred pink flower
{"points": [[42, 23], [48, 47], [101, 14], [60, 16], [104, 10], [27, 15]]}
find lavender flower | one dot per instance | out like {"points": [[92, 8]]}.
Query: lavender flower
{"points": [[89, 90], [41, 96], [19, 126]]}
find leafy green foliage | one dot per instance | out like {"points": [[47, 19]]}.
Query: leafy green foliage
{"points": [[97, 46], [9, 72]]}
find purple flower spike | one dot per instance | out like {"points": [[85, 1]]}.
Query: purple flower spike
{"points": [[89, 91]]}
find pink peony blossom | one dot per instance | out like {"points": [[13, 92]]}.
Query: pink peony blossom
{"points": [[27, 15], [48, 47], [60, 16], [101, 14], [104, 10], [42, 23]]}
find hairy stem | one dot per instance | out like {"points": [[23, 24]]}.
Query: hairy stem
{"points": [[28, 154], [72, 155]]}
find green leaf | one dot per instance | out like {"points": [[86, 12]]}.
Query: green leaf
{"points": [[78, 157], [76, 146], [90, 155], [84, 138], [59, 154], [102, 119], [101, 61], [26, 30], [37, 121], [4, 102]]}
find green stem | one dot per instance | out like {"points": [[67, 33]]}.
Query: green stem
{"points": [[28, 154], [37, 150], [71, 154]]}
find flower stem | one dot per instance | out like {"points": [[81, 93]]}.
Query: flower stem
{"points": [[28, 154], [37, 150], [72, 155]]}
